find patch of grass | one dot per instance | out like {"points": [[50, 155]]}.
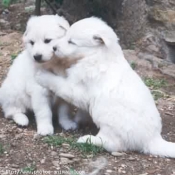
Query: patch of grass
{"points": [[157, 94], [84, 148], [1, 149], [13, 56], [132, 46], [6, 3], [133, 65], [29, 169], [73, 172], [155, 83]]}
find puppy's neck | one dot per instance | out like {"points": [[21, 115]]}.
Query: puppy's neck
{"points": [[58, 66]]}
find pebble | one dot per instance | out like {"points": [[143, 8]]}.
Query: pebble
{"points": [[14, 166], [118, 154], [70, 156], [19, 136], [36, 136], [43, 161], [2, 136], [132, 158], [53, 153], [65, 145], [109, 171], [65, 161], [56, 163], [13, 144]]}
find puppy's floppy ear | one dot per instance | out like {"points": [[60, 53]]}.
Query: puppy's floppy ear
{"points": [[28, 26], [104, 38], [98, 39], [62, 22], [101, 40], [24, 38]]}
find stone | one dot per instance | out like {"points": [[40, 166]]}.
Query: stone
{"points": [[70, 156], [118, 154], [56, 163]]}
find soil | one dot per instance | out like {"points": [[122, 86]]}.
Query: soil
{"points": [[23, 148]]}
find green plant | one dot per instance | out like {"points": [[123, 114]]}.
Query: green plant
{"points": [[84, 148], [158, 94], [29, 169], [133, 65], [6, 3], [1, 149], [155, 83], [13, 56], [73, 172]]}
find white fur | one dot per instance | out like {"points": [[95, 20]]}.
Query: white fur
{"points": [[20, 91], [103, 83]]}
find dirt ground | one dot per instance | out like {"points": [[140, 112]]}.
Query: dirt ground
{"points": [[24, 149]]}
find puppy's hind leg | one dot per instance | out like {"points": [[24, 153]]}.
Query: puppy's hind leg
{"points": [[64, 113], [104, 139], [17, 114], [21, 119]]}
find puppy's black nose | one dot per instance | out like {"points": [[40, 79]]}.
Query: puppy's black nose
{"points": [[55, 48], [38, 57]]}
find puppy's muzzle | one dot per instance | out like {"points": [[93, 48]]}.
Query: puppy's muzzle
{"points": [[38, 57]]}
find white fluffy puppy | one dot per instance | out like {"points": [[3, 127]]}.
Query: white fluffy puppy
{"points": [[103, 83], [20, 91]]}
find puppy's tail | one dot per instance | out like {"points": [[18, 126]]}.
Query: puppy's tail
{"points": [[161, 147]]}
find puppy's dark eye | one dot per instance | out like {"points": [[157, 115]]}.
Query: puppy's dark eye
{"points": [[32, 42], [47, 41], [71, 42]]}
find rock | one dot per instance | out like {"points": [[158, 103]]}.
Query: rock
{"points": [[19, 136], [118, 154], [109, 171], [65, 145], [64, 161], [37, 137], [2, 21], [53, 153], [13, 144], [30, 8], [14, 166], [132, 158], [70, 156], [56, 163], [164, 16], [169, 37], [42, 161], [18, 26], [4, 24], [2, 136], [6, 11]]}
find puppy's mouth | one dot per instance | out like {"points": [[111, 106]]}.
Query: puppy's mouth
{"points": [[40, 61]]}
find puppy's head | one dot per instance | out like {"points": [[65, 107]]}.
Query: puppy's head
{"points": [[40, 34], [85, 38]]}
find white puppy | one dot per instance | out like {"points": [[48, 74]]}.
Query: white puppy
{"points": [[20, 91], [103, 83]]}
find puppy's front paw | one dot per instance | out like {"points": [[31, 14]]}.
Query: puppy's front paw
{"points": [[45, 129], [41, 78]]}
